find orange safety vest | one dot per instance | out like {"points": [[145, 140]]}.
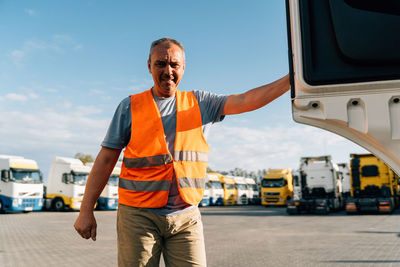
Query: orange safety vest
{"points": [[148, 166]]}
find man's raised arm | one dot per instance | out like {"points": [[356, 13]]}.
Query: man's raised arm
{"points": [[256, 98], [85, 224]]}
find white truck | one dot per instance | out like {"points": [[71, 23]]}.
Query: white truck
{"points": [[66, 184], [241, 190], [108, 199], [253, 191], [206, 196], [215, 189], [21, 184], [321, 187]]}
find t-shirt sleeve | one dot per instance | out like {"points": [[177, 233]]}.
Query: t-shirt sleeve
{"points": [[119, 131], [211, 106]]}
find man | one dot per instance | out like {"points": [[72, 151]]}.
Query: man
{"points": [[165, 159]]}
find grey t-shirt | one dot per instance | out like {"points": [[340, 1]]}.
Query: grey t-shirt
{"points": [[119, 133]]}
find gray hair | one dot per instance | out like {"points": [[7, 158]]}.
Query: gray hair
{"points": [[165, 40]]}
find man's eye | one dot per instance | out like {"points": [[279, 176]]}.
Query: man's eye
{"points": [[160, 64]]}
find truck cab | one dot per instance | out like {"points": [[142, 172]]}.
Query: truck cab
{"points": [[277, 187], [241, 194], [229, 190], [318, 187], [374, 186], [254, 193], [21, 184], [216, 189], [205, 201], [66, 184], [108, 199]]}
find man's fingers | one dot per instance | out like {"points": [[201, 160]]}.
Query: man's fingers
{"points": [[93, 232]]}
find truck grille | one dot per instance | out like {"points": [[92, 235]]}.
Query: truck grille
{"points": [[271, 199], [271, 193], [28, 202]]}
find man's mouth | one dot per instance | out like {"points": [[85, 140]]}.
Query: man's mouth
{"points": [[168, 79]]}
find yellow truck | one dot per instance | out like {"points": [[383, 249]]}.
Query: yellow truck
{"points": [[229, 190], [374, 186], [277, 187]]}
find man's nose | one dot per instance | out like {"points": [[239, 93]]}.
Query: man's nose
{"points": [[168, 70]]}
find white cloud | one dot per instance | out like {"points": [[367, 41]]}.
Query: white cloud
{"points": [[33, 96], [67, 104], [88, 110], [96, 92], [58, 43], [138, 86], [30, 12], [16, 97], [19, 97], [45, 133]]}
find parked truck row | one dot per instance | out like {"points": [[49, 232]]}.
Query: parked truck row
{"points": [[229, 190], [321, 186], [22, 187], [318, 186]]}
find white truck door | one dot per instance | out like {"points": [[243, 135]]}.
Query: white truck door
{"points": [[344, 62]]}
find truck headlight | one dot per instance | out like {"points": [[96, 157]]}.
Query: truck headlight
{"points": [[111, 202], [15, 202]]}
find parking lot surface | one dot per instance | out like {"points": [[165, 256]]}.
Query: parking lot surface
{"points": [[235, 236]]}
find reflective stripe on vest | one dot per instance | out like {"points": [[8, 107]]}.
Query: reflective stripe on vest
{"points": [[144, 186], [148, 161], [190, 156], [192, 182], [148, 166]]}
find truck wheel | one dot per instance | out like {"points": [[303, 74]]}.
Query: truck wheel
{"points": [[58, 204], [327, 210]]}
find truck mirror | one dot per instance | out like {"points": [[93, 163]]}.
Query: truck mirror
{"points": [[41, 177], [70, 178], [5, 175], [65, 178]]}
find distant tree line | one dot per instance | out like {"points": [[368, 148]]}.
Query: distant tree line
{"points": [[85, 158]]}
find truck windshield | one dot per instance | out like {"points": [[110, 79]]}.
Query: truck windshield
{"points": [[229, 186], [254, 187], [241, 186], [26, 176], [273, 182], [113, 180], [80, 178], [215, 184]]}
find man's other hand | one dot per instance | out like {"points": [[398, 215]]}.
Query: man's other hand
{"points": [[86, 225]]}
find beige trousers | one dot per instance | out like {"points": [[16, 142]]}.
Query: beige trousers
{"points": [[143, 235]]}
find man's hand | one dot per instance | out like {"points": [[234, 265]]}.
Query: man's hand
{"points": [[86, 225]]}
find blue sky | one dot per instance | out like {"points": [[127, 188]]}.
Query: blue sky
{"points": [[65, 66]]}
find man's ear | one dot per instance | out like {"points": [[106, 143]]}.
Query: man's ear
{"points": [[148, 65]]}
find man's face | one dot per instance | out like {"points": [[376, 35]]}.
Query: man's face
{"points": [[167, 66]]}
